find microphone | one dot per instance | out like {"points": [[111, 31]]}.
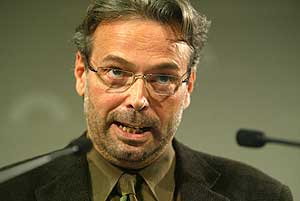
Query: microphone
{"points": [[77, 147], [254, 138]]}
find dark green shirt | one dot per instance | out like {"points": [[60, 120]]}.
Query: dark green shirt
{"points": [[158, 178]]}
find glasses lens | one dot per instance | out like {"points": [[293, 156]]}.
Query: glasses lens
{"points": [[115, 78], [163, 84]]}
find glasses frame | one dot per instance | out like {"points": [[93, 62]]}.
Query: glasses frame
{"points": [[181, 79]]}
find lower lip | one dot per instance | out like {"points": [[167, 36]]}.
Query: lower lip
{"points": [[123, 135]]}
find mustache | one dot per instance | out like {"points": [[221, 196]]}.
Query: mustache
{"points": [[132, 117]]}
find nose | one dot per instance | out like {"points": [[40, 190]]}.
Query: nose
{"points": [[137, 96]]}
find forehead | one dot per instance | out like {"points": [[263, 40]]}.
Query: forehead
{"points": [[139, 41]]}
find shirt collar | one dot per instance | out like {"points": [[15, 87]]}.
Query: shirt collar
{"points": [[159, 176], [104, 175]]}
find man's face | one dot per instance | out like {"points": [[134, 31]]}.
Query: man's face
{"points": [[132, 128]]}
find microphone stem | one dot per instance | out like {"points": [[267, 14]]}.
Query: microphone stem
{"points": [[284, 142], [19, 168]]}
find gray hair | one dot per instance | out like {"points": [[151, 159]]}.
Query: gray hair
{"points": [[193, 26]]}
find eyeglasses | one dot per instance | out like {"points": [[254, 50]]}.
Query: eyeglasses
{"points": [[118, 80]]}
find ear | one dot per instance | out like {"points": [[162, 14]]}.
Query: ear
{"points": [[190, 88], [80, 74]]}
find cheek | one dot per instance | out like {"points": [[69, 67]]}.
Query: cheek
{"points": [[170, 109], [102, 101]]}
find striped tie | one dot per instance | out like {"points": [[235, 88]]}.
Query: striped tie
{"points": [[126, 187]]}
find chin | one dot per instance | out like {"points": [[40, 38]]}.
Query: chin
{"points": [[133, 159]]}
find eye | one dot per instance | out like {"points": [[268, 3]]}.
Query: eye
{"points": [[164, 79], [115, 73]]}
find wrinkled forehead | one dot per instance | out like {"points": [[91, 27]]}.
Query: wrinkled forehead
{"points": [[138, 35], [142, 27]]}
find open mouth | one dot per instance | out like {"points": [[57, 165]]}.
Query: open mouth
{"points": [[132, 129]]}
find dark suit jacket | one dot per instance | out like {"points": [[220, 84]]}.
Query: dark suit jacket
{"points": [[199, 177]]}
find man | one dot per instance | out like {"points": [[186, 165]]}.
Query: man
{"points": [[136, 68]]}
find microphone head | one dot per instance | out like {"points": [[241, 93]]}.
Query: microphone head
{"points": [[81, 145], [250, 138]]}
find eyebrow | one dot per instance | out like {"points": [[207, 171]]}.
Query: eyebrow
{"points": [[166, 66], [118, 59], [124, 62]]}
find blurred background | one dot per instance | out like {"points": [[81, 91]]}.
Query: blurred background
{"points": [[248, 78]]}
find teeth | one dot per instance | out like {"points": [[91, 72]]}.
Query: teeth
{"points": [[135, 130]]}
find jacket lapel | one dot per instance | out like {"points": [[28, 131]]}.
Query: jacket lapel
{"points": [[195, 178], [194, 190], [71, 185]]}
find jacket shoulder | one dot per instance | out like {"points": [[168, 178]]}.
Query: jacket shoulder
{"points": [[236, 180], [23, 187]]}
